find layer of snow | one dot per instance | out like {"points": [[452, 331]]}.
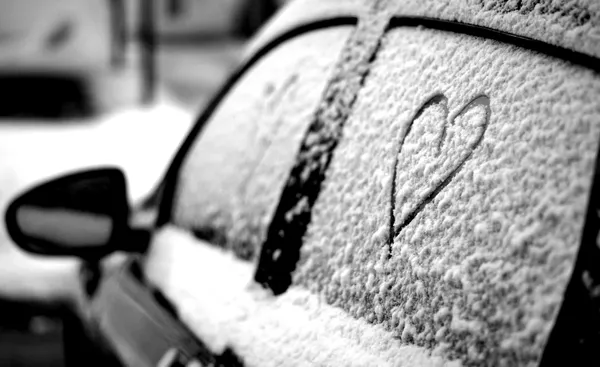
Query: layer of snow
{"points": [[230, 180], [217, 299], [496, 246]]}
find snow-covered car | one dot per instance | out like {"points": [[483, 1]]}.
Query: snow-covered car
{"points": [[70, 99], [389, 183]]}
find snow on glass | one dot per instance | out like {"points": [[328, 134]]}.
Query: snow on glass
{"points": [[479, 272]]}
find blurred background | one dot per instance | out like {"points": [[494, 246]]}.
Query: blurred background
{"points": [[86, 82]]}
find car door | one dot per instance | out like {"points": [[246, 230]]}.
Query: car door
{"points": [[444, 216]]}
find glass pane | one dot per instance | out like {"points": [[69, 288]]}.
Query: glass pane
{"points": [[232, 178], [477, 158]]}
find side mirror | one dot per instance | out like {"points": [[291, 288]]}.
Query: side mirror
{"points": [[83, 214]]}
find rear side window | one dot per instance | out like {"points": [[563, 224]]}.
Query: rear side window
{"points": [[231, 179], [453, 208]]}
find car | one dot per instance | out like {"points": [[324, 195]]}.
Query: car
{"points": [[140, 141], [393, 183], [70, 92]]}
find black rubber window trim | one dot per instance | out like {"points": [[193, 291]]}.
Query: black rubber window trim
{"points": [[169, 182]]}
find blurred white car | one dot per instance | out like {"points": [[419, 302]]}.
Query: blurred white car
{"points": [[71, 98], [70, 57]]}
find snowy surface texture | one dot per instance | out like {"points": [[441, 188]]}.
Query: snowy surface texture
{"points": [[218, 300], [451, 212], [233, 176], [572, 24], [479, 272]]}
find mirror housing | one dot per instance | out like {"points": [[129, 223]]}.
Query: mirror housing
{"points": [[84, 214]]}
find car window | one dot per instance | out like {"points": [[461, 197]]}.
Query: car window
{"points": [[232, 177], [455, 201]]}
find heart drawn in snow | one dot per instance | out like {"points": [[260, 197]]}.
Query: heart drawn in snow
{"points": [[432, 150]]}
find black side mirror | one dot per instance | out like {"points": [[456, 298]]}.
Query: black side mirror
{"points": [[83, 214]]}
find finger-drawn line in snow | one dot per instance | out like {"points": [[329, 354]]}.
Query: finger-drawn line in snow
{"points": [[427, 191]]}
